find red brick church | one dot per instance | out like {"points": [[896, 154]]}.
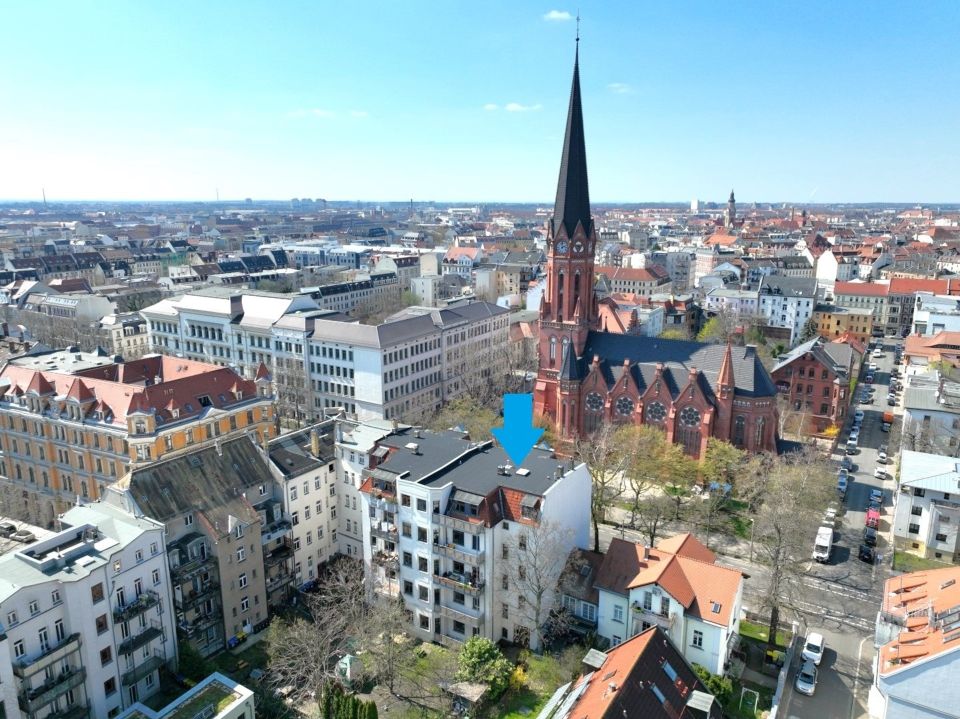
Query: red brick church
{"points": [[587, 376]]}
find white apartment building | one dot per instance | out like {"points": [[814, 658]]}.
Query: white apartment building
{"points": [[87, 618], [304, 466], [454, 520], [927, 506], [411, 364], [744, 303], [356, 450], [787, 303], [935, 313]]}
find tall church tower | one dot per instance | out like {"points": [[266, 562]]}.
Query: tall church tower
{"points": [[569, 308], [730, 216]]}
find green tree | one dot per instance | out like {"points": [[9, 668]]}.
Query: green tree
{"points": [[809, 330], [465, 411], [605, 454], [720, 687], [675, 333], [481, 661], [192, 664]]}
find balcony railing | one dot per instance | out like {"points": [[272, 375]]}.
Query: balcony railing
{"points": [[664, 619], [462, 582], [76, 711], [275, 531], [447, 520], [188, 570], [191, 598], [390, 535], [144, 669], [460, 553], [386, 559], [384, 503], [278, 555], [138, 606], [460, 615], [36, 698], [200, 623], [149, 633], [278, 582], [27, 667]]}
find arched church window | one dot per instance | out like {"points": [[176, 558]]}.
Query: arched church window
{"points": [[739, 430], [553, 350]]}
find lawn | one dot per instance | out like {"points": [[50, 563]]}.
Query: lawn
{"points": [[254, 656], [213, 695], [760, 633], [763, 703], [906, 562], [545, 674]]}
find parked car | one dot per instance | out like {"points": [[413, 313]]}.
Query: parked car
{"points": [[872, 367], [813, 648], [846, 463], [891, 402], [806, 682], [882, 456], [876, 495], [6, 529], [858, 416], [854, 435], [868, 379], [842, 486], [866, 554], [879, 473], [877, 353], [873, 518], [870, 536]]}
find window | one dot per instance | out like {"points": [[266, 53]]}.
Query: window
{"points": [[238, 532], [615, 640], [153, 549], [244, 604], [505, 551], [405, 500], [916, 511], [421, 505], [295, 518], [422, 564], [941, 537], [505, 582], [110, 686], [670, 671], [243, 580], [34, 607], [96, 593], [293, 493], [658, 694], [618, 612], [101, 623], [522, 541], [188, 520], [241, 554], [697, 642], [106, 656], [914, 529], [423, 593], [155, 576], [505, 610], [918, 492], [459, 597], [407, 559], [421, 534], [55, 597], [18, 649], [406, 529], [424, 621], [408, 587]]}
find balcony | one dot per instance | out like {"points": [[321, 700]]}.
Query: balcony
{"points": [[461, 582], [28, 667], [664, 619], [459, 615], [448, 641], [459, 553], [149, 633], [383, 503], [199, 624], [278, 582], [33, 700], [278, 555], [191, 598], [386, 559], [143, 670], [463, 525], [388, 534], [277, 530], [187, 571], [77, 711], [138, 606]]}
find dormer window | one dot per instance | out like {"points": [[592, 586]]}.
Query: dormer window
{"points": [[204, 401], [140, 427], [238, 532]]}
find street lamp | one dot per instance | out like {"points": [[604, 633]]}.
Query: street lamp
{"points": [[753, 526]]}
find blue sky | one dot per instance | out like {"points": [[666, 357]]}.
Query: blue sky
{"points": [[784, 101]]}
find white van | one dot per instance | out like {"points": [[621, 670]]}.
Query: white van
{"points": [[823, 545]]}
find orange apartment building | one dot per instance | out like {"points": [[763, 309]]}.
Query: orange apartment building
{"points": [[72, 423]]}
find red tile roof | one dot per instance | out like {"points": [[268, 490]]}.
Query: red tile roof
{"points": [[909, 285], [653, 273], [861, 289]]}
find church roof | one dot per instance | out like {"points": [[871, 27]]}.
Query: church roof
{"points": [[569, 370], [573, 194], [678, 358]]}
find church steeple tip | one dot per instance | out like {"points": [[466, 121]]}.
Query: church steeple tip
{"points": [[573, 194]]}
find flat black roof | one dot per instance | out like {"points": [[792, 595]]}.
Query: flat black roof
{"points": [[448, 456]]}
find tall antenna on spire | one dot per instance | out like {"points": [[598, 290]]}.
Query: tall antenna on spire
{"points": [[578, 26]]}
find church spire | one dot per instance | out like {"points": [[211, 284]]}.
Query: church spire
{"points": [[573, 195]]}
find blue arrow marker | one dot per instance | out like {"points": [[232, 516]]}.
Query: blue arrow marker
{"points": [[518, 435]]}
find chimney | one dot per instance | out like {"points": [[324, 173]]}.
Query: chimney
{"points": [[315, 443], [236, 305], [265, 439], [750, 351]]}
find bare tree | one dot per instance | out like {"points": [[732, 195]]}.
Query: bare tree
{"points": [[539, 553], [606, 459], [385, 641], [304, 651], [653, 515], [791, 491], [645, 448]]}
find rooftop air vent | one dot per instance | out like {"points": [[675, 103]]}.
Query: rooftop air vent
{"points": [[523, 472], [413, 447]]}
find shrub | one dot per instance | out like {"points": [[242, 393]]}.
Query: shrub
{"points": [[518, 678], [720, 687]]}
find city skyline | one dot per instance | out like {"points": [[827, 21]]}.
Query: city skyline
{"points": [[804, 105]]}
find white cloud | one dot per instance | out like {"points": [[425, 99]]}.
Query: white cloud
{"points": [[517, 107], [558, 16], [359, 113], [619, 88], [490, 106]]}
